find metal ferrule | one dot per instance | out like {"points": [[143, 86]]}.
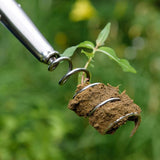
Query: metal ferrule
{"points": [[15, 19]]}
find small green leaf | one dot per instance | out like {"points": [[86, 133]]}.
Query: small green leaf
{"points": [[69, 51], [122, 62], [126, 66], [103, 35], [86, 44], [88, 54], [109, 52]]}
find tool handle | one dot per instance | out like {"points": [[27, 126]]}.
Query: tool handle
{"points": [[15, 19]]}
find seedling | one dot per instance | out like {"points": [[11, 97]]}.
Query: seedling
{"points": [[90, 50], [104, 106]]}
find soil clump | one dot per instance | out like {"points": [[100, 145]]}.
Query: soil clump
{"points": [[107, 118]]}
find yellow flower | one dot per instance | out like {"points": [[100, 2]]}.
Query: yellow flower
{"points": [[82, 10]]}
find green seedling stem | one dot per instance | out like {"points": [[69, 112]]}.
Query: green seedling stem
{"points": [[97, 49]]}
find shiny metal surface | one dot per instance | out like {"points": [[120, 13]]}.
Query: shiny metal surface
{"points": [[76, 70], [14, 18], [88, 86], [54, 62], [134, 115], [103, 103]]}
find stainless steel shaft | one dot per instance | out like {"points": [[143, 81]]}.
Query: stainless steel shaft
{"points": [[15, 19]]}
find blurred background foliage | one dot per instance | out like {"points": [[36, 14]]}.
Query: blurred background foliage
{"points": [[35, 123]]}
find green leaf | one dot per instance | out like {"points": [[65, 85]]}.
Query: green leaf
{"points": [[126, 66], [88, 54], [122, 62], [103, 35], [86, 44], [69, 51]]}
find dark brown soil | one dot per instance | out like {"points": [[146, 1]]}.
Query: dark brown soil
{"points": [[110, 116]]}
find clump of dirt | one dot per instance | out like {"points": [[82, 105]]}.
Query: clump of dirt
{"points": [[110, 116]]}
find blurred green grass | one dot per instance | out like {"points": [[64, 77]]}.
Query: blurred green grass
{"points": [[34, 120]]}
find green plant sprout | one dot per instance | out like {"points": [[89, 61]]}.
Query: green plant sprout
{"points": [[90, 49]]}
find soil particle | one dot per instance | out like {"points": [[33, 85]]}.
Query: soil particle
{"points": [[110, 116]]}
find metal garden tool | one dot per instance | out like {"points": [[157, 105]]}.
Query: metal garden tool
{"points": [[14, 18]]}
